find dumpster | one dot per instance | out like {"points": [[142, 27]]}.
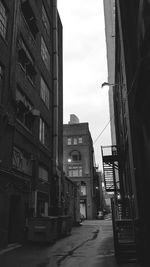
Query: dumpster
{"points": [[42, 229], [64, 225]]}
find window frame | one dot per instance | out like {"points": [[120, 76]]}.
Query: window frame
{"points": [[75, 171], [75, 156], [24, 110], [26, 61], [75, 141], [80, 140], [44, 92], [3, 20], [45, 20], [21, 161], [69, 141], [43, 132], [1, 80], [83, 189], [45, 55], [42, 170]]}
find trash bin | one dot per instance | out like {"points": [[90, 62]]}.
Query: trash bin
{"points": [[64, 225], [42, 229]]}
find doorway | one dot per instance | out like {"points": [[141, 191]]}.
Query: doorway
{"points": [[83, 209], [14, 219]]}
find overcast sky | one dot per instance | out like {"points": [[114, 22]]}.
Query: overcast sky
{"points": [[85, 67]]}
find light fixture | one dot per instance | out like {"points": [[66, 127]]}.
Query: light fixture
{"points": [[35, 112], [106, 83], [111, 84]]}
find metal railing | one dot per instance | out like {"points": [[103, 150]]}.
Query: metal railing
{"points": [[123, 227]]}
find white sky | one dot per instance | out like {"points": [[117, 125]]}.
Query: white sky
{"points": [[85, 67]]}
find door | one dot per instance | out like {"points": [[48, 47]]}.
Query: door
{"points": [[14, 219]]}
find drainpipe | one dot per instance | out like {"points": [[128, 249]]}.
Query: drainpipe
{"points": [[56, 171]]}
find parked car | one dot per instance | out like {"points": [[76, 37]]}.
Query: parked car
{"points": [[82, 218], [100, 215]]}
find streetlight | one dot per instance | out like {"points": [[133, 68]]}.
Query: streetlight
{"points": [[111, 84]]}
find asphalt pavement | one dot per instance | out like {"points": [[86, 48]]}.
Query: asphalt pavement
{"points": [[89, 245]]}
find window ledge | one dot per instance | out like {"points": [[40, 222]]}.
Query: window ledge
{"points": [[28, 130]]}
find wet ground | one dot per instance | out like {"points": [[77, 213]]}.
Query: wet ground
{"points": [[89, 245]]}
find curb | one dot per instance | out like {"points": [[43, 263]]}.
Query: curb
{"points": [[9, 248]]}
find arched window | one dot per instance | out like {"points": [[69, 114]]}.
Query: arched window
{"points": [[75, 156]]}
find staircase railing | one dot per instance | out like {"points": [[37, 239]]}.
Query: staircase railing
{"points": [[122, 217], [124, 230]]}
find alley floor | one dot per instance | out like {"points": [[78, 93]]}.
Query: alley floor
{"points": [[89, 245]]}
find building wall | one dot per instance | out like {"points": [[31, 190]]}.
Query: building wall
{"points": [[85, 150], [26, 141], [133, 66]]}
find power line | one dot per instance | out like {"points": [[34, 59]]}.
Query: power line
{"points": [[132, 84], [104, 129]]}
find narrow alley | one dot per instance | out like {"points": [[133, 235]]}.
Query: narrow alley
{"points": [[89, 245]]}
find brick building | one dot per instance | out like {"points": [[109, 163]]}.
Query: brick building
{"points": [[30, 114], [78, 163]]}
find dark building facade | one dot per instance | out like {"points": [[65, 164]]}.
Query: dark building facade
{"points": [[78, 163], [30, 124], [131, 109]]}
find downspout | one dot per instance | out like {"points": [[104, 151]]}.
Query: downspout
{"points": [[56, 171]]}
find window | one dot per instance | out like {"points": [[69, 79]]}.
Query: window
{"points": [[3, 20], [80, 140], [45, 20], [69, 141], [1, 73], [44, 91], [24, 110], [1, 80], [22, 161], [43, 173], [75, 141], [26, 61], [75, 156], [43, 132], [83, 188], [29, 17], [45, 54], [75, 171], [42, 204]]}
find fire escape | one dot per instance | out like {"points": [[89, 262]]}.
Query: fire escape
{"points": [[122, 218]]}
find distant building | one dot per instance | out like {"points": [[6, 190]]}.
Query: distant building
{"points": [[30, 114], [78, 162]]}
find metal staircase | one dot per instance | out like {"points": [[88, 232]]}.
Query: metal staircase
{"points": [[123, 224], [110, 168]]}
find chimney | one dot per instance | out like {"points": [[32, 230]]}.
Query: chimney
{"points": [[73, 119]]}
